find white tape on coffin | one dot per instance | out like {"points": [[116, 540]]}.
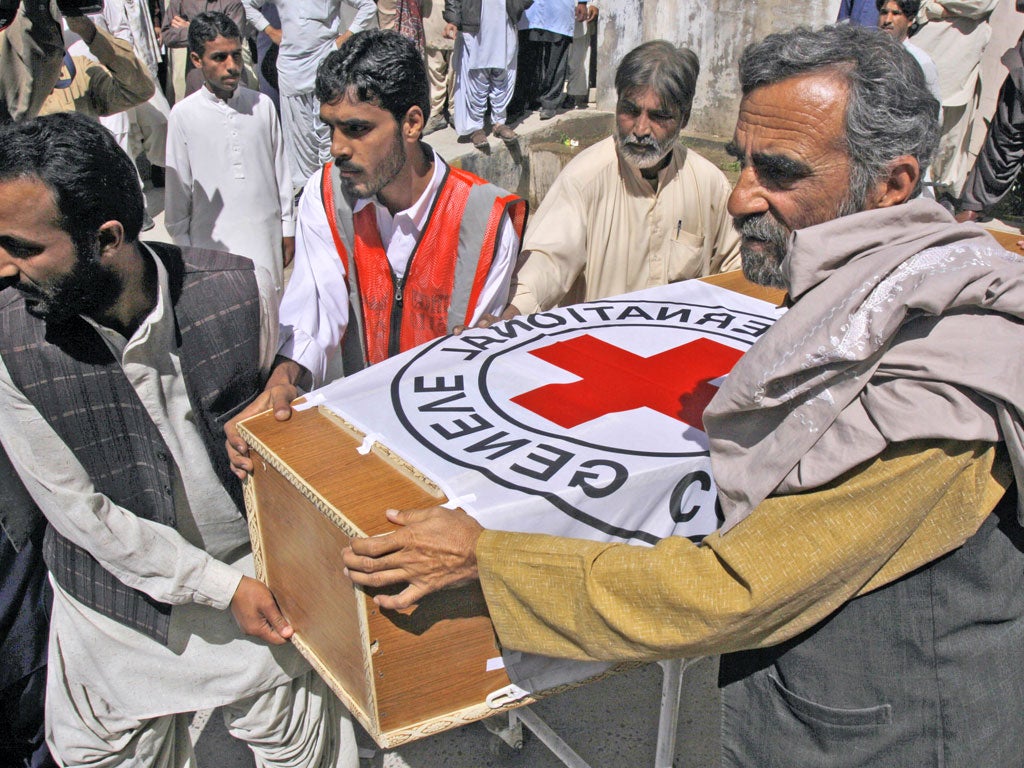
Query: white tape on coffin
{"points": [[370, 440], [312, 399], [455, 502]]}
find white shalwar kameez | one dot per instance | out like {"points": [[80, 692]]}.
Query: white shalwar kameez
{"points": [[116, 697], [485, 63], [228, 185]]}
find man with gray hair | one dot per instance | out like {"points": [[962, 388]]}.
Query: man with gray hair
{"points": [[867, 585], [637, 209]]}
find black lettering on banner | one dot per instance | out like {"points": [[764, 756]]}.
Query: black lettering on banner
{"points": [[601, 312], [480, 343], [634, 311], [419, 384], [467, 354], [546, 320], [721, 319], [499, 448], [682, 314], [576, 315], [441, 406], [753, 328], [550, 464], [582, 480], [675, 503], [463, 427], [510, 328]]}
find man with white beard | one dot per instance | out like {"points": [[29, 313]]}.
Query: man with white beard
{"points": [[637, 209]]}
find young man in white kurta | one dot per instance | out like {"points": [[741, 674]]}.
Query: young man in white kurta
{"points": [[228, 184]]}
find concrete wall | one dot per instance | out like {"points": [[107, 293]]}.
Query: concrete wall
{"points": [[716, 30]]}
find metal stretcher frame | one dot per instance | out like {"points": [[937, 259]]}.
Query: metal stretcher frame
{"points": [[668, 722]]}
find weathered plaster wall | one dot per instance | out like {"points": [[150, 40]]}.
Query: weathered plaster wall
{"points": [[717, 30]]}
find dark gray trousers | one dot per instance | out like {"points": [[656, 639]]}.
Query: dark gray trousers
{"points": [[925, 672]]}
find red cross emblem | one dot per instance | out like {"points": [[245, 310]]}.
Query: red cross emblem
{"points": [[674, 382]]}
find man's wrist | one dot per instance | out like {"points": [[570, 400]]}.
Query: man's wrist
{"points": [[287, 371]]}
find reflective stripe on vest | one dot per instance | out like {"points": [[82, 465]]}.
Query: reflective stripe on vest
{"points": [[437, 292]]}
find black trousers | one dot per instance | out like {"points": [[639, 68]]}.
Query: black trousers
{"points": [[543, 64], [1001, 156]]}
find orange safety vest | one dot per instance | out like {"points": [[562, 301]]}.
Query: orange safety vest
{"points": [[446, 272]]}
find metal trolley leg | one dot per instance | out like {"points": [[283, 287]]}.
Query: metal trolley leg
{"points": [[668, 720], [551, 740], [668, 723]]}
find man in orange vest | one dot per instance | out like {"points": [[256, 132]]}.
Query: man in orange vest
{"points": [[393, 247]]}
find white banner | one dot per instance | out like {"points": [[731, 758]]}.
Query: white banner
{"points": [[583, 421]]}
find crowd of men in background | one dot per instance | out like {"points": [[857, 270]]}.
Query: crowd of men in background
{"points": [[290, 135]]}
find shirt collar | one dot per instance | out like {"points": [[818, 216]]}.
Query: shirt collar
{"points": [[419, 211], [211, 96], [155, 325]]}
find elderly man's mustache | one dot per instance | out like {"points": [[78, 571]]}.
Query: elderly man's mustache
{"points": [[643, 142], [761, 226]]}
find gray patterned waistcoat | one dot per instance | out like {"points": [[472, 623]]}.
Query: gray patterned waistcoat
{"points": [[71, 377]]}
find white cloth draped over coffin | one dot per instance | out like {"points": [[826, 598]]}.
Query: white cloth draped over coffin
{"points": [[582, 422]]}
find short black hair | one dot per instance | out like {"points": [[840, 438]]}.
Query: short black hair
{"points": [[92, 179], [382, 66], [908, 8], [209, 26]]}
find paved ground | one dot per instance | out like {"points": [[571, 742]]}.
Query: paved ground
{"points": [[610, 724]]}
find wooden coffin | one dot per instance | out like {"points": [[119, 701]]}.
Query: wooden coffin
{"points": [[404, 676]]}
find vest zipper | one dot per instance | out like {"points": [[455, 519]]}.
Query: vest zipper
{"points": [[394, 342]]}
